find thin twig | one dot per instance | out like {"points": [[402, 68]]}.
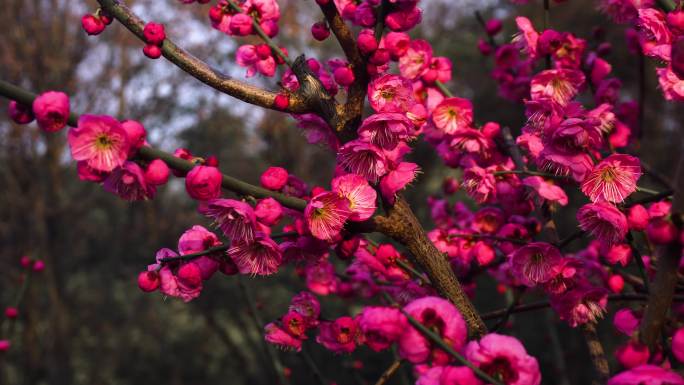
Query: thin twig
{"points": [[389, 372], [314, 368], [277, 366], [636, 254]]}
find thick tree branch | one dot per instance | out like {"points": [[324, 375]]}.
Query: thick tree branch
{"points": [[350, 113], [597, 353], [199, 69], [665, 281], [402, 225]]}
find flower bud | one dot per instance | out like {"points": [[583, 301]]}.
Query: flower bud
{"points": [[154, 33], [38, 265], [637, 218], [616, 283], [367, 42], [268, 211], [379, 57], [675, 20], [320, 30], [661, 231], [344, 76], [241, 24], [19, 113], [92, 25], [677, 55], [493, 26], [281, 101], [485, 48], [148, 281], [11, 312], [215, 14], [203, 183], [157, 172], [25, 261], [51, 110], [274, 178], [270, 27], [263, 51], [4, 345], [152, 51]]}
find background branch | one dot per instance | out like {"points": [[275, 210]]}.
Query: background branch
{"points": [[199, 69]]}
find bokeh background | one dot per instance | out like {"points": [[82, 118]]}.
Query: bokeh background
{"points": [[84, 321]]}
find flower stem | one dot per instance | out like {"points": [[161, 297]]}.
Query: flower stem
{"points": [[444, 89]]}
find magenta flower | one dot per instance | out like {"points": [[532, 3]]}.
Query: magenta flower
{"points": [[440, 316], [20, 113], [339, 336], [416, 60], [185, 283], [613, 179], [396, 179], [576, 165], [100, 141], [203, 182], [5, 345], [390, 93], [470, 141], [361, 158], [386, 129], [671, 84], [505, 358], [647, 375], [256, 59], [128, 182], [581, 304], [453, 114], [360, 195], [546, 190], [51, 110], [320, 278], [198, 239], [275, 335], [260, 256], [624, 11], [326, 214], [381, 326], [235, 218], [535, 263], [528, 37], [306, 304], [479, 184], [605, 222], [654, 35], [396, 43], [559, 85]]}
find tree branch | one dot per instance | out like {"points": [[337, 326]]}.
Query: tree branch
{"points": [[199, 69], [350, 114], [597, 354], [665, 281], [402, 225], [228, 182]]}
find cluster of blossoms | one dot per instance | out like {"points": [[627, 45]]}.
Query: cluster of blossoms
{"points": [[573, 140], [11, 313]]}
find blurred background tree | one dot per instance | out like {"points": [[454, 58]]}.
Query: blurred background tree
{"points": [[84, 321]]}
